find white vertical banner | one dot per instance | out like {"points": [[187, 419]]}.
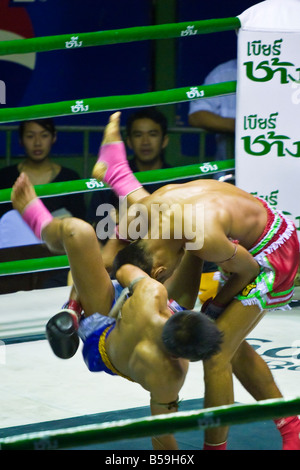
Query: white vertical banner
{"points": [[267, 143]]}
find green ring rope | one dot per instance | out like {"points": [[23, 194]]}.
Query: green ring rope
{"points": [[33, 265], [112, 103], [213, 417], [144, 177], [153, 425], [66, 41], [53, 189]]}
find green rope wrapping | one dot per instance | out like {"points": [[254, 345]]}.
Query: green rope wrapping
{"points": [[144, 177], [112, 103], [152, 426], [99, 38], [53, 189], [33, 265]]}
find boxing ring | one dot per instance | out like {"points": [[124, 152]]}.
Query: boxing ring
{"points": [[51, 403]]}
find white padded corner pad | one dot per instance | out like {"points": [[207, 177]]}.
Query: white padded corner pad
{"points": [[272, 15]]}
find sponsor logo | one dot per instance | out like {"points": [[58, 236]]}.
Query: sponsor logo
{"points": [[79, 107], [73, 43], [270, 67], [194, 93], [263, 143], [278, 358]]}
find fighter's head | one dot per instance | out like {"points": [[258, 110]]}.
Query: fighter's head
{"points": [[135, 254], [191, 335], [158, 262]]}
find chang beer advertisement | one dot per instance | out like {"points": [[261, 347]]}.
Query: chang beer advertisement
{"points": [[268, 118]]}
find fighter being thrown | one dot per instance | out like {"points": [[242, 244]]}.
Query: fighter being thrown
{"points": [[257, 251], [135, 340]]}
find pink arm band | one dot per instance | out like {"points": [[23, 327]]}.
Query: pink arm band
{"points": [[37, 216], [118, 174]]}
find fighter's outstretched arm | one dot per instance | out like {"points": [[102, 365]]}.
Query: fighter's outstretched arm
{"points": [[183, 285]]}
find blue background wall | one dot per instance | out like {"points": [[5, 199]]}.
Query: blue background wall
{"points": [[87, 72], [107, 70], [198, 55]]}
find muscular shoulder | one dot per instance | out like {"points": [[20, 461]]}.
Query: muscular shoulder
{"points": [[217, 228], [217, 220], [148, 283], [151, 294], [161, 375]]}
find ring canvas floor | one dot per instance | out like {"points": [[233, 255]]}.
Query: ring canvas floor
{"points": [[39, 391]]}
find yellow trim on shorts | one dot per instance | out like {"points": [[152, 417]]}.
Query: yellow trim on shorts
{"points": [[104, 356]]}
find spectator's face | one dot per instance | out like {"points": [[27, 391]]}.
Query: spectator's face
{"points": [[37, 141], [146, 140]]}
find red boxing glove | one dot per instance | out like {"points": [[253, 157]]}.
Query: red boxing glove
{"points": [[212, 308]]}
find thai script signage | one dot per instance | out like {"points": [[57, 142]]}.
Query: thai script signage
{"points": [[268, 118]]}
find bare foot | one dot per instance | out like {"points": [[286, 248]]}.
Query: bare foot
{"points": [[112, 130], [99, 170], [22, 193], [111, 134]]}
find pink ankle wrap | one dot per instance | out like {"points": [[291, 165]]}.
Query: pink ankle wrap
{"points": [[118, 174], [37, 216]]}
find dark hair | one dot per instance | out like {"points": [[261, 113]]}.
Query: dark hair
{"points": [[135, 254], [191, 335], [148, 113], [47, 124]]}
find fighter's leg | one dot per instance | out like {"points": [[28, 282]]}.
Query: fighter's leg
{"points": [[91, 280], [78, 240], [235, 322], [112, 165], [254, 374], [90, 277]]}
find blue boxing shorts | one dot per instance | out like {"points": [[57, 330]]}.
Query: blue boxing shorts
{"points": [[91, 330], [94, 330]]}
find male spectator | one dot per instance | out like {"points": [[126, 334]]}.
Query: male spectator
{"points": [[217, 114], [146, 136]]}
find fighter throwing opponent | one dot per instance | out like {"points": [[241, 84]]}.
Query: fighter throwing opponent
{"points": [[136, 333], [256, 249]]}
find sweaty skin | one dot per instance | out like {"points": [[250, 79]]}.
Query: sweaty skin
{"points": [[232, 221], [134, 347], [228, 214]]}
